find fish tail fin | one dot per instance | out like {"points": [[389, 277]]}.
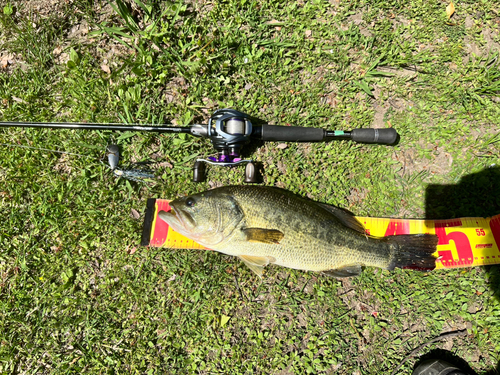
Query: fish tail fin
{"points": [[414, 251]]}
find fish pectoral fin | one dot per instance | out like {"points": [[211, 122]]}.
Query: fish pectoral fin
{"points": [[268, 236], [346, 271], [345, 218], [258, 261], [255, 263]]}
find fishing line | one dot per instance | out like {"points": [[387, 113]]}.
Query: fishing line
{"points": [[44, 149], [128, 173]]}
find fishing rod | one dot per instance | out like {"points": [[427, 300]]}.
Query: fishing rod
{"points": [[229, 130]]}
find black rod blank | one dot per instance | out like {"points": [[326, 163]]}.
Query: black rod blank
{"points": [[91, 126]]}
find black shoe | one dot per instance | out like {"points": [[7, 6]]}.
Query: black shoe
{"points": [[437, 367]]}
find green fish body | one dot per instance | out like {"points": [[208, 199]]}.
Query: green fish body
{"points": [[264, 225]]}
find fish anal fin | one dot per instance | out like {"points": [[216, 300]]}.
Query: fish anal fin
{"points": [[256, 263], [345, 218], [347, 271], [267, 236]]}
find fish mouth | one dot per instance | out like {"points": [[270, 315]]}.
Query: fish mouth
{"points": [[180, 220], [183, 223]]}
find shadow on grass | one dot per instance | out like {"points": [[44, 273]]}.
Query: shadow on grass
{"points": [[475, 195]]}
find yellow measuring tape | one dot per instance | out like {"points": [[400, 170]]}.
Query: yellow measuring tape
{"points": [[465, 242]]}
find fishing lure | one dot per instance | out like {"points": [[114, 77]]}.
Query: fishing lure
{"points": [[136, 175]]}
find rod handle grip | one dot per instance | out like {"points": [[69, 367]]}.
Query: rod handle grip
{"points": [[381, 136], [291, 133]]}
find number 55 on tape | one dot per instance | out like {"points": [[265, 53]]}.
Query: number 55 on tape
{"points": [[465, 242]]}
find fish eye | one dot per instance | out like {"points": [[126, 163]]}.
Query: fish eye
{"points": [[190, 202]]}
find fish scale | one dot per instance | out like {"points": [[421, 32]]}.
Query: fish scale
{"points": [[263, 225], [312, 239]]}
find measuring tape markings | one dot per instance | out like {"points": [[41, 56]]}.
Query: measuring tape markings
{"points": [[462, 242]]}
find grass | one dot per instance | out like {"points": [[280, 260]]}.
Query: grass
{"points": [[78, 294]]}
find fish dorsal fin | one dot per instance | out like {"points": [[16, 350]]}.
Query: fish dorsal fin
{"points": [[345, 218], [256, 263], [268, 236], [346, 271]]}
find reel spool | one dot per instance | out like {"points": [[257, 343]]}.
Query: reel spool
{"points": [[229, 130]]}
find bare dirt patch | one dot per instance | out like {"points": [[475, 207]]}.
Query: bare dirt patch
{"points": [[439, 163], [40, 8], [473, 51]]}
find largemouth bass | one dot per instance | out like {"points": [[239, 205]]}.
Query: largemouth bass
{"points": [[265, 225]]}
